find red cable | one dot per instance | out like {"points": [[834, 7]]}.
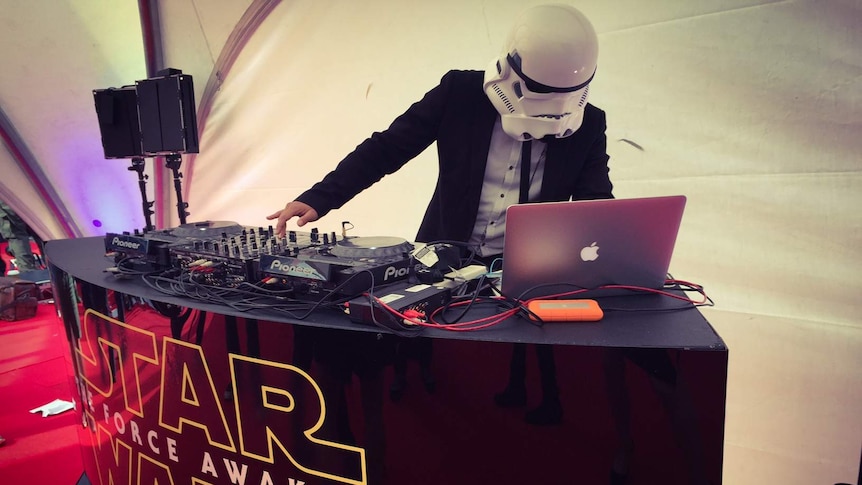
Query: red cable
{"points": [[492, 320]]}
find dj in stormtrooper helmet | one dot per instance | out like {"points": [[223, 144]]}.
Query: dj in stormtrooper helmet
{"points": [[540, 83]]}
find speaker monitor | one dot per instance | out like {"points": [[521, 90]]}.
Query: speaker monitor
{"points": [[117, 112], [166, 107]]}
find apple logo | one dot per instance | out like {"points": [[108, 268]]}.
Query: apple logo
{"points": [[590, 253]]}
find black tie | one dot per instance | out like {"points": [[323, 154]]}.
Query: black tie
{"points": [[526, 148]]}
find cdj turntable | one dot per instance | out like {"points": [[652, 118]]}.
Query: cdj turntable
{"points": [[343, 268], [151, 249]]}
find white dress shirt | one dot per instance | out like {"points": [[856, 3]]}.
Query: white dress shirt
{"points": [[501, 188]]}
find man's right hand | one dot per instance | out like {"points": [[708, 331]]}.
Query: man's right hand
{"points": [[293, 209]]}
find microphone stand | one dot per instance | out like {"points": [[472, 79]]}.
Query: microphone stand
{"points": [[173, 161], [138, 166]]}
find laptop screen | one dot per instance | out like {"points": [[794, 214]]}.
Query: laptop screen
{"points": [[556, 247]]}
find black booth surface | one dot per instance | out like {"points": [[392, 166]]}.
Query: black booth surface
{"points": [[176, 391]]}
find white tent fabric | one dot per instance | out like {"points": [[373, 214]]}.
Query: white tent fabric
{"points": [[751, 108]]}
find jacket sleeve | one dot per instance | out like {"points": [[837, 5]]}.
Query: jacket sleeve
{"points": [[594, 180], [382, 153], [577, 166]]}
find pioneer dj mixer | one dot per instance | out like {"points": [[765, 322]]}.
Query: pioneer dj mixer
{"points": [[222, 253]]}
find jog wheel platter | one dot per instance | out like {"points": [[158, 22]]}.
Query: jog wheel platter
{"points": [[371, 247], [206, 229]]}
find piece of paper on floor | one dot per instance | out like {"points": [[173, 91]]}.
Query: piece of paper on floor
{"points": [[56, 406]]}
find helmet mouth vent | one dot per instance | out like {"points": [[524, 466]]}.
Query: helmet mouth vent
{"points": [[553, 117]]}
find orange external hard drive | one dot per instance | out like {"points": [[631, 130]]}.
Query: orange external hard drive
{"points": [[566, 310]]}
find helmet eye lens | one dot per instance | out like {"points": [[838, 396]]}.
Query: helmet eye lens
{"points": [[514, 60]]}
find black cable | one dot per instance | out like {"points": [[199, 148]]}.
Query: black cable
{"points": [[253, 296]]}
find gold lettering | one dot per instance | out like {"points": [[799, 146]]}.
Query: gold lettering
{"points": [[188, 390], [269, 417]]}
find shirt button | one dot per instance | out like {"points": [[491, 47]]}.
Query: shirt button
{"points": [[502, 195]]}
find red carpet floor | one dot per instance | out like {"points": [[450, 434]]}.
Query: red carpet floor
{"points": [[35, 369]]}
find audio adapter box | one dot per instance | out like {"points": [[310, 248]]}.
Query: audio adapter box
{"points": [[403, 297]]}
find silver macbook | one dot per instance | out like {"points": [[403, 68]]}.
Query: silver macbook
{"points": [[555, 247]]}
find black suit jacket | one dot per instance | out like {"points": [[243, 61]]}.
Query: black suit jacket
{"points": [[459, 117]]}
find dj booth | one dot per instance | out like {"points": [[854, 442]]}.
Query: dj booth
{"points": [[183, 390]]}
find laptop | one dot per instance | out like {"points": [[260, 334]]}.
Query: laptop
{"points": [[555, 247]]}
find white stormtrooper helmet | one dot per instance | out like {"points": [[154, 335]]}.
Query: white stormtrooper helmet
{"points": [[541, 81]]}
